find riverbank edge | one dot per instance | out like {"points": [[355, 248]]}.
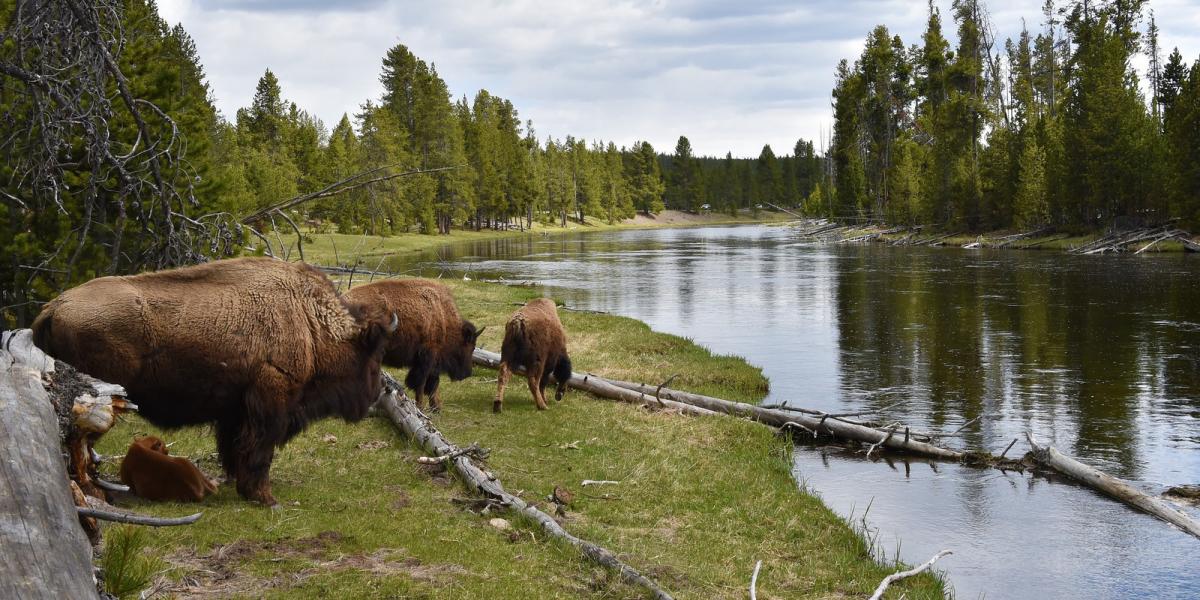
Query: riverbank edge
{"points": [[350, 249], [699, 499], [1063, 242]]}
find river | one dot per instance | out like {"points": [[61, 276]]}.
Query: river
{"points": [[1098, 355]]}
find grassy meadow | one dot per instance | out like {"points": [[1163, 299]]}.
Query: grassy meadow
{"points": [[699, 499]]}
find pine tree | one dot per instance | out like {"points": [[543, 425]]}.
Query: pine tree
{"points": [[646, 181]]}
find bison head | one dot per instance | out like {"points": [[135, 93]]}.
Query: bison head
{"points": [[349, 380], [152, 444], [458, 363]]}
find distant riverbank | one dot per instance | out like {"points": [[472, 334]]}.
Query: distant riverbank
{"points": [[1009, 239], [347, 249]]}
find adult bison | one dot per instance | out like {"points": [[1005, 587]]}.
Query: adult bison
{"points": [[431, 338], [257, 346]]}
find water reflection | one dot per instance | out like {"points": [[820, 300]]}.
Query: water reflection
{"points": [[1096, 354]]}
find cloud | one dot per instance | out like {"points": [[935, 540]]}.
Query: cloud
{"points": [[730, 76]]}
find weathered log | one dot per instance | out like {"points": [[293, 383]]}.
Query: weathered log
{"points": [[776, 418], [43, 550], [1111, 486], [409, 419]]}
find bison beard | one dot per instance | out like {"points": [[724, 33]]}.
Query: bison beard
{"points": [[257, 346], [151, 473]]}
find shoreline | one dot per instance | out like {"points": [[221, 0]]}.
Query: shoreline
{"points": [[700, 499], [329, 248], [994, 240]]}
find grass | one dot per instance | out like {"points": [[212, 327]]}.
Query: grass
{"points": [[331, 248], [699, 499]]}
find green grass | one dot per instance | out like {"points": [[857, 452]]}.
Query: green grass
{"points": [[699, 499]]}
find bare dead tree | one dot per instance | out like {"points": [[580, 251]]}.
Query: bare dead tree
{"points": [[81, 149]]}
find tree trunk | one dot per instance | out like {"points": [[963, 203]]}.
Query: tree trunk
{"points": [[43, 550]]}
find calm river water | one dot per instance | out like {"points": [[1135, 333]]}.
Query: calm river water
{"points": [[1098, 355]]}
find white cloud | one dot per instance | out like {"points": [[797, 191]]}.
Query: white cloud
{"points": [[730, 76]]}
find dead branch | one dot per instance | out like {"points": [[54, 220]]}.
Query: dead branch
{"points": [[121, 516], [754, 581], [894, 577]]}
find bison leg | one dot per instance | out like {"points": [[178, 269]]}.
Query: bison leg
{"points": [[431, 390], [535, 375], [265, 425], [502, 380], [415, 381]]}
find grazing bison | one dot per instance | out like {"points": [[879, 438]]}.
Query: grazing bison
{"points": [[431, 338], [257, 346], [152, 473], [535, 341]]}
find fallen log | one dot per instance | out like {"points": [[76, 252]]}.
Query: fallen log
{"points": [[43, 550], [1111, 486], [776, 418], [417, 426]]}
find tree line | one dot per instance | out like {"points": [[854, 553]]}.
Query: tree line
{"points": [[1051, 129]]}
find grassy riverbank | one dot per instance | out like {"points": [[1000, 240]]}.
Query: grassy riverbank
{"points": [[699, 499], [344, 249]]}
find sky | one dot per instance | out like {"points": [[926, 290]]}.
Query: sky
{"points": [[731, 76]]}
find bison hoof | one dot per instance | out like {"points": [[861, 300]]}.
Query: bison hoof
{"points": [[497, 407]]}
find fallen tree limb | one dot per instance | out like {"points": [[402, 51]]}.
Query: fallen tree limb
{"points": [[894, 577], [708, 405], [1111, 486], [416, 426], [121, 516]]}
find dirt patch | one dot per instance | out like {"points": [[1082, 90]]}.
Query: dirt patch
{"points": [[221, 572]]}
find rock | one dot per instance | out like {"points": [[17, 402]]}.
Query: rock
{"points": [[329, 438], [499, 523]]}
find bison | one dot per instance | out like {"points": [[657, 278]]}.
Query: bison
{"points": [[257, 346], [431, 338], [534, 340], [152, 473]]}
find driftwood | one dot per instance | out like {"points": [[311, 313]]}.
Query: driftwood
{"points": [[688, 403], [1118, 241], [894, 577], [1111, 486], [43, 550], [417, 426]]}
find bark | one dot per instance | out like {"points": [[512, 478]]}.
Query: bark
{"points": [[43, 550], [417, 426], [1111, 486], [776, 418]]}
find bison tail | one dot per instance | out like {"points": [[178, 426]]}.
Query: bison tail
{"points": [[562, 369], [43, 330]]}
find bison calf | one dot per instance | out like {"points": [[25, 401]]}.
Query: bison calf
{"points": [[534, 341], [258, 346], [431, 337], [151, 473]]}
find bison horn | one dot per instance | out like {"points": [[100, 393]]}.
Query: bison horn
{"points": [[394, 324]]}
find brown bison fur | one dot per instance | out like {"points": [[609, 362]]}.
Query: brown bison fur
{"points": [[257, 346], [431, 338], [534, 340], [151, 473]]}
